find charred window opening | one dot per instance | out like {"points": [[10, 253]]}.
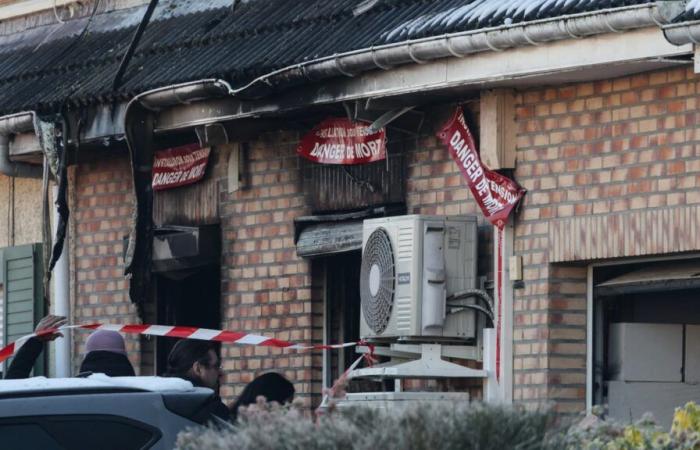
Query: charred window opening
{"points": [[187, 287], [342, 310], [336, 188]]}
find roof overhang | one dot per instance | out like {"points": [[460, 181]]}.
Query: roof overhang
{"points": [[655, 278], [445, 79], [548, 64]]}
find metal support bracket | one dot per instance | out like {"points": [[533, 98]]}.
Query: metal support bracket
{"points": [[388, 117], [429, 365]]}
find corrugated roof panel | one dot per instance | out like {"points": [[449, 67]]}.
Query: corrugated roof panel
{"points": [[692, 12], [189, 40]]}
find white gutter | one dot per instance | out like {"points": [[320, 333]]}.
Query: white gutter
{"points": [[181, 94], [419, 51], [613, 20], [683, 33], [11, 125]]}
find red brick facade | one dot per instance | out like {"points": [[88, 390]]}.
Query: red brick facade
{"points": [[100, 201], [586, 149], [266, 287], [591, 150]]}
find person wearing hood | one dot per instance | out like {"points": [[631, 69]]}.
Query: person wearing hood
{"points": [[105, 352]]}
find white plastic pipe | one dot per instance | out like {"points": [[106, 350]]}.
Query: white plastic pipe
{"points": [[492, 393], [61, 287]]}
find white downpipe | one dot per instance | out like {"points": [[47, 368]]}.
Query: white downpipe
{"points": [[492, 392], [61, 287]]}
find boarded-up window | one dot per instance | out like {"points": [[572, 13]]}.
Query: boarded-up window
{"points": [[23, 293], [332, 188]]}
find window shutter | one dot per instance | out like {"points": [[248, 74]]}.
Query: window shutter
{"points": [[24, 297]]}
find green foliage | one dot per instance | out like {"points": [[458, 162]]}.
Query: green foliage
{"points": [[426, 427], [446, 426], [592, 433]]}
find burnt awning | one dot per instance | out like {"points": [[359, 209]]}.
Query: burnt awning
{"points": [[329, 234], [666, 276], [329, 238]]}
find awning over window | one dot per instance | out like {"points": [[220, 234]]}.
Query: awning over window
{"points": [[666, 276], [329, 234], [328, 238]]}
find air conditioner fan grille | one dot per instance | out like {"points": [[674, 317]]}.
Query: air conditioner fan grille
{"points": [[377, 277]]}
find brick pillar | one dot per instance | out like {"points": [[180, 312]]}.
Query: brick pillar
{"points": [[593, 150], [266, 287], [101, 205]]}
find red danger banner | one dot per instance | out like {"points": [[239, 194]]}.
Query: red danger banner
{"points": [[495, 194], [179, 166], [342, 141]]}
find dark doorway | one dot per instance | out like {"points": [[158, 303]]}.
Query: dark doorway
{"points": [[190, 298], [342, 310]]}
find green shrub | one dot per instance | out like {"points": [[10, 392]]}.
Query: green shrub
{"points": [[592, 433], [430, 427], [425, 427]]}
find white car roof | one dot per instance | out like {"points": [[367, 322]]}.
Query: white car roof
{"points": [[98, 380]]}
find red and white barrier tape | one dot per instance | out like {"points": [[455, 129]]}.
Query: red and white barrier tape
{"points": [[340, 383], [204, 334]]}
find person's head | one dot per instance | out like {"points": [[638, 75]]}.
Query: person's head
{"points": [[105, 352], [273, 386], [106, 341], [196, 361]]}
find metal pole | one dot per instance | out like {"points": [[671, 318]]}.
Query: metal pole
{"points": [[133, 44]]}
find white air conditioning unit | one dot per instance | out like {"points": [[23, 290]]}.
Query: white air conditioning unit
{"points": [[410, 265]]}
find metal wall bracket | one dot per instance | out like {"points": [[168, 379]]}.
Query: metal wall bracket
{"points": [[212, 134], [429, 365]]}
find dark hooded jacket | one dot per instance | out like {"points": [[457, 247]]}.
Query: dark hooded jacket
{"points": [[109, 363], [273, 386], [23, 362]]}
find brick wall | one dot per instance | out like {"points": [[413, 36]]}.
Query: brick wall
{"points": [[436, 186], [266, 287], [590, 149], [268, 290], [100, 201]]}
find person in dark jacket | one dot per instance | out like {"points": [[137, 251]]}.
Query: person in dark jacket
{"points": [[26, 356], [105, 352], [199, 363], [273, 386]]}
